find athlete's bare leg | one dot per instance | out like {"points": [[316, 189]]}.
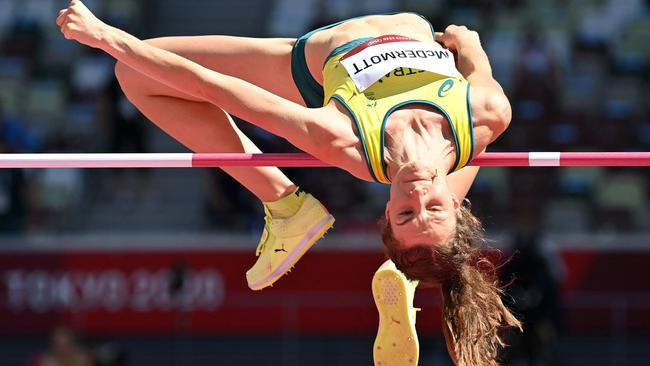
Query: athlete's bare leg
{"points": [[203, 127]]}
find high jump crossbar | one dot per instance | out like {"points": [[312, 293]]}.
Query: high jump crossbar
{"points": [[189, 160]]}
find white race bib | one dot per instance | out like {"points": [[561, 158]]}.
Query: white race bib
{"points": [[372, 60]]}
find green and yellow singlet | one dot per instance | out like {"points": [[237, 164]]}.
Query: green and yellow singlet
{"points": [[402, 86]]}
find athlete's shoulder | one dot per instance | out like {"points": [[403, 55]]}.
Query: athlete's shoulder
{"points": [[490, 108]]}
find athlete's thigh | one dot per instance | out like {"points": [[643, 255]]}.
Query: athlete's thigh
{"points": [[265, 62]]}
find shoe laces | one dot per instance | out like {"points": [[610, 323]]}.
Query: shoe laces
{"points": [[265, 232]]}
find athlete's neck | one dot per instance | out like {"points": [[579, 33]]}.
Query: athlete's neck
{"points": [[409, 138]]}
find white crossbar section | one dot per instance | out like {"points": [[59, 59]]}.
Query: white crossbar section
{"points": [[181, 160]]}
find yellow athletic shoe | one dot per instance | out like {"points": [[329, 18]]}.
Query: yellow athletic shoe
{"points": [[397, 340], [285, 241]]}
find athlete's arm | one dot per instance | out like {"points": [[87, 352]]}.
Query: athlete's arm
{"points": [[472, 61], [303, 127], [489, 102]]}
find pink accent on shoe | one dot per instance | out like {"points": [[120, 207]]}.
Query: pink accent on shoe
{"points": [[289, 260]]}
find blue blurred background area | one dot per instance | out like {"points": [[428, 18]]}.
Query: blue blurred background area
{"points": [[83, 251]]}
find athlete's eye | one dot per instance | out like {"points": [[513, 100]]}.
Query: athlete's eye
{"points": [[404, 216], [437, 212], [405, 213]]}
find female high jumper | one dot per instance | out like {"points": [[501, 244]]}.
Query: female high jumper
{"points": [[377, 96]]}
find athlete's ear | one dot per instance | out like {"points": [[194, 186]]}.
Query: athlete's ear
{"points": [[456, 202], [386, 212]]}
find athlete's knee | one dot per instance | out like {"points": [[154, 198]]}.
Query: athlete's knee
{"points": [[160, 42], [122, 73], [130, 80]]}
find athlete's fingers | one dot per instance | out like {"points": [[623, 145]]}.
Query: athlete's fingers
{"points": [[438, 36], [61, 17], [64, 30], [64, 24], [66, 27]]}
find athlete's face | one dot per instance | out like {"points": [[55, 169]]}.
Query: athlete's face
{"points": [[421, 209]]}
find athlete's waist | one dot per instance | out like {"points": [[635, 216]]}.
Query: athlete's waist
{"points": [[363, 42], [346, 47]]}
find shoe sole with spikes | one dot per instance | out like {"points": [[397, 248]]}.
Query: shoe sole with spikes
{"points": [[397, 341]]}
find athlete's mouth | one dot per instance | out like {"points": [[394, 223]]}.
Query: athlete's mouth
{"points": [[417, 180]]}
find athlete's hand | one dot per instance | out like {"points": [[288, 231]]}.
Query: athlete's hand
{"points": [[80, 24], [456, 37]]}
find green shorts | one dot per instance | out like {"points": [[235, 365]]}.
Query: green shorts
{"points": [[311, 91]]}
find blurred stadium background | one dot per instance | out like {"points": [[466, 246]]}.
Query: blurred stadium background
{"points": [[147, 267]]}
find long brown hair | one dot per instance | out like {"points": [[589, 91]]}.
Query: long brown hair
{"points": [[472, 308]]}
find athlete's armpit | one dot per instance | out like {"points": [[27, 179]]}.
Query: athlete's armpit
{"points": [[491, 110]]}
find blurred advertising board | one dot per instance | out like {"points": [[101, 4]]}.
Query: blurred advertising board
{"points": [[197, 291], [203, 291]]}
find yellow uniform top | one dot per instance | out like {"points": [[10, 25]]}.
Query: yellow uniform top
{"points": [[371, 108]]}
